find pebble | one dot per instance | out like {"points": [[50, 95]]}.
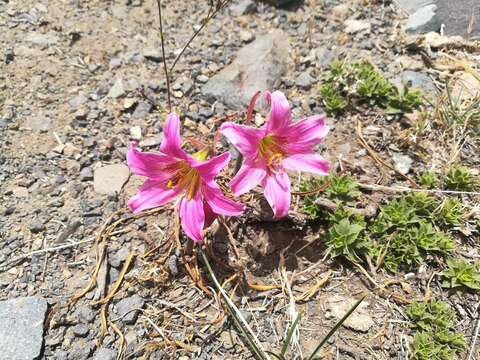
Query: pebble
{"points": [[304, 80], [136, 133], [423, 20], [242, 7], [80, 330], [402, 163], [355, 26], [126, 308], [86, 174], [152, 140], [38, 123], [246, 36], [110, 179], [105, 354], [142, 109], [36, 227], [152, 54], [360, 320], [117, 90], [202, 78]]}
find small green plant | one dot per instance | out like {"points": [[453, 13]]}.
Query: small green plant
{"points": [[360, 83], [340, 189], [450, 213], [461, 274], [346, 236], [434, 339], [428, 179], [460, 178]]}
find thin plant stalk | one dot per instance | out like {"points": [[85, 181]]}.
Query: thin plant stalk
{"points": [[164, 59], [239, 320]]}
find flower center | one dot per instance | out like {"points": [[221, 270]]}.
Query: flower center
{"points": [[271, 151], [186, 178]]}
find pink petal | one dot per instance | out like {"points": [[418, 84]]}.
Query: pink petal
{"points": [[277, 192], [192, 217], [306, 133], [244, 138], [308, 162], [280, 116], [221, 204], [171, 143], [154, 165], [210, 216], [210, 168], [247, 178], [150, 195]]}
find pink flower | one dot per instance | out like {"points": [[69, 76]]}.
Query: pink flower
{"points": [[174, 174], [277, 146]]}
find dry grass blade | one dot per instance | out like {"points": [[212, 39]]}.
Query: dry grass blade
{"points": [[117, 284], [307, 295], [377, 158], [121, 344]]}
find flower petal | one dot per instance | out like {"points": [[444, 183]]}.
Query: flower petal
{"points": [[309, 162], [150, 195], [280, 116], [210, 216], [210, 168], [244, 138], [247, 178], [277, 192], [305, 134], [171, 143], [192, 216], [154, 165], [221, 204]]}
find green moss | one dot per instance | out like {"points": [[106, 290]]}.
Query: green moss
{"points": [[459, 178], [461, 274]]}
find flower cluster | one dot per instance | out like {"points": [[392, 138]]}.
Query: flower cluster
{"points": [[268, 152]]}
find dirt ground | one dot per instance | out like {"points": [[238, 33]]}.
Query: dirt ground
{"points": [[79, 79]]}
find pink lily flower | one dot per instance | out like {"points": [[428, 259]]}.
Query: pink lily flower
{"points": [[174, 174], [277, 146]]}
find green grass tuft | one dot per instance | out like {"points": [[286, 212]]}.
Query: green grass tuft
{"points": [[461, 274], [460, 178]]}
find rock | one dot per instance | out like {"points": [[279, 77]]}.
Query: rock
{"points": [[21, 327], [258, 66], [36, 227], [80, 330], [402, 163], [437, 41], [187, 86], [152, 141], [105, 354], [81, 351], [414, 79], [413, 5], [117, 90], [340, 12], [355, 26], [129, 103], [242, 7], [47, 39], [136, 133], [423, 20], [152, 54], [142, 109], [126, 308], [246, 36], [359, 320], [39, 123], [86, 174], [465, 87], [110, 179], [324, 56], [202, 78], [304, 80]]}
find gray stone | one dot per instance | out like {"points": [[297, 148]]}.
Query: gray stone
{"points": [[412, 6], [128, 308], [354, 26], [110, 179], [187, 86], [47, 39], [36, 227], [414, 79], [81, 351], [402, 163], [304, 80], [21, 327], [142, 109], [105, 354], [152, 54], [242, 7], [39, 123], [257, 67], [360, 320], [423, 20], [117, 90], [202, 78], [80, 330], [246, 36], [324, 56], [86, 174], [152, 140]]}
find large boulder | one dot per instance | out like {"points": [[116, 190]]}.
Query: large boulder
{"points": [[257, 66]]}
